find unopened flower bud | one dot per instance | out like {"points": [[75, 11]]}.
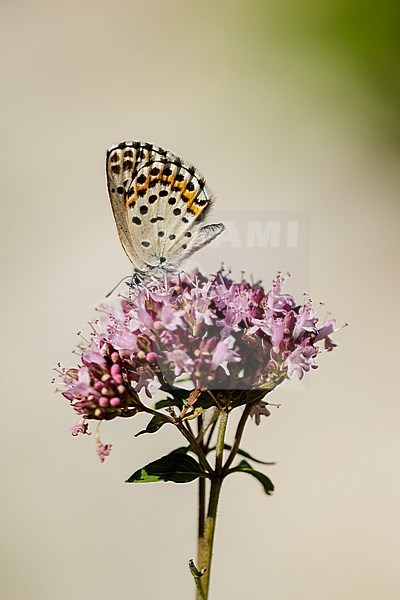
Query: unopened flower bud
{"points": [[115, 370]]}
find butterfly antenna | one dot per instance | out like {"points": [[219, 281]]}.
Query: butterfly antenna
{"points": [[115, 287]]}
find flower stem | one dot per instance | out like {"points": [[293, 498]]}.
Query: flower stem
{"points": [[202, 514], [205, 544], [195, 446], [202, 490], [238, 436]]}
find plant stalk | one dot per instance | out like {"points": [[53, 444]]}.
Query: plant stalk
{"points": [[205, 543], [238, 436]]}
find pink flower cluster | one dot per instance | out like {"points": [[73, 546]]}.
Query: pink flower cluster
{"points": [[229, 338], [98, 388]]}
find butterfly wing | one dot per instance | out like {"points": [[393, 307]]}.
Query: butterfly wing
{"points": [[159, 204]]}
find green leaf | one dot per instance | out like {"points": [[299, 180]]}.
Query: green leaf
{"points": [[176, 466], [245, 467], [154, 425], [166, 402], [178, 394], [204, 401], [247, 455], [248, 397]]}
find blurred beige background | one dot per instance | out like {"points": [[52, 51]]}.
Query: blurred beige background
{"points": [[284, 106]]}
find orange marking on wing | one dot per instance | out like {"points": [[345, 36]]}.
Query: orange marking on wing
{"points": [[195, 210], [177, 186], [189, 197], [131, 201]]}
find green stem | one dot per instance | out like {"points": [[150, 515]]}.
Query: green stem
{"points": [[238, 436], [185, 431], [205, 545], [195, 446], [202, 490]]}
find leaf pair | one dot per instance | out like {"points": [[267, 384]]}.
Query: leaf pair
{"points": [[178, 467]]}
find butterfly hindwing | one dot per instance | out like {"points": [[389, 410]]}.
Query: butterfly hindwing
{"points": [[159, 203]]}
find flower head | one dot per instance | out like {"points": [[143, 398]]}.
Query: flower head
{"points": [[232, 340], [99, 388]]}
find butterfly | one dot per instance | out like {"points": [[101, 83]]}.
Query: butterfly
{"points": [[160, 203]]}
